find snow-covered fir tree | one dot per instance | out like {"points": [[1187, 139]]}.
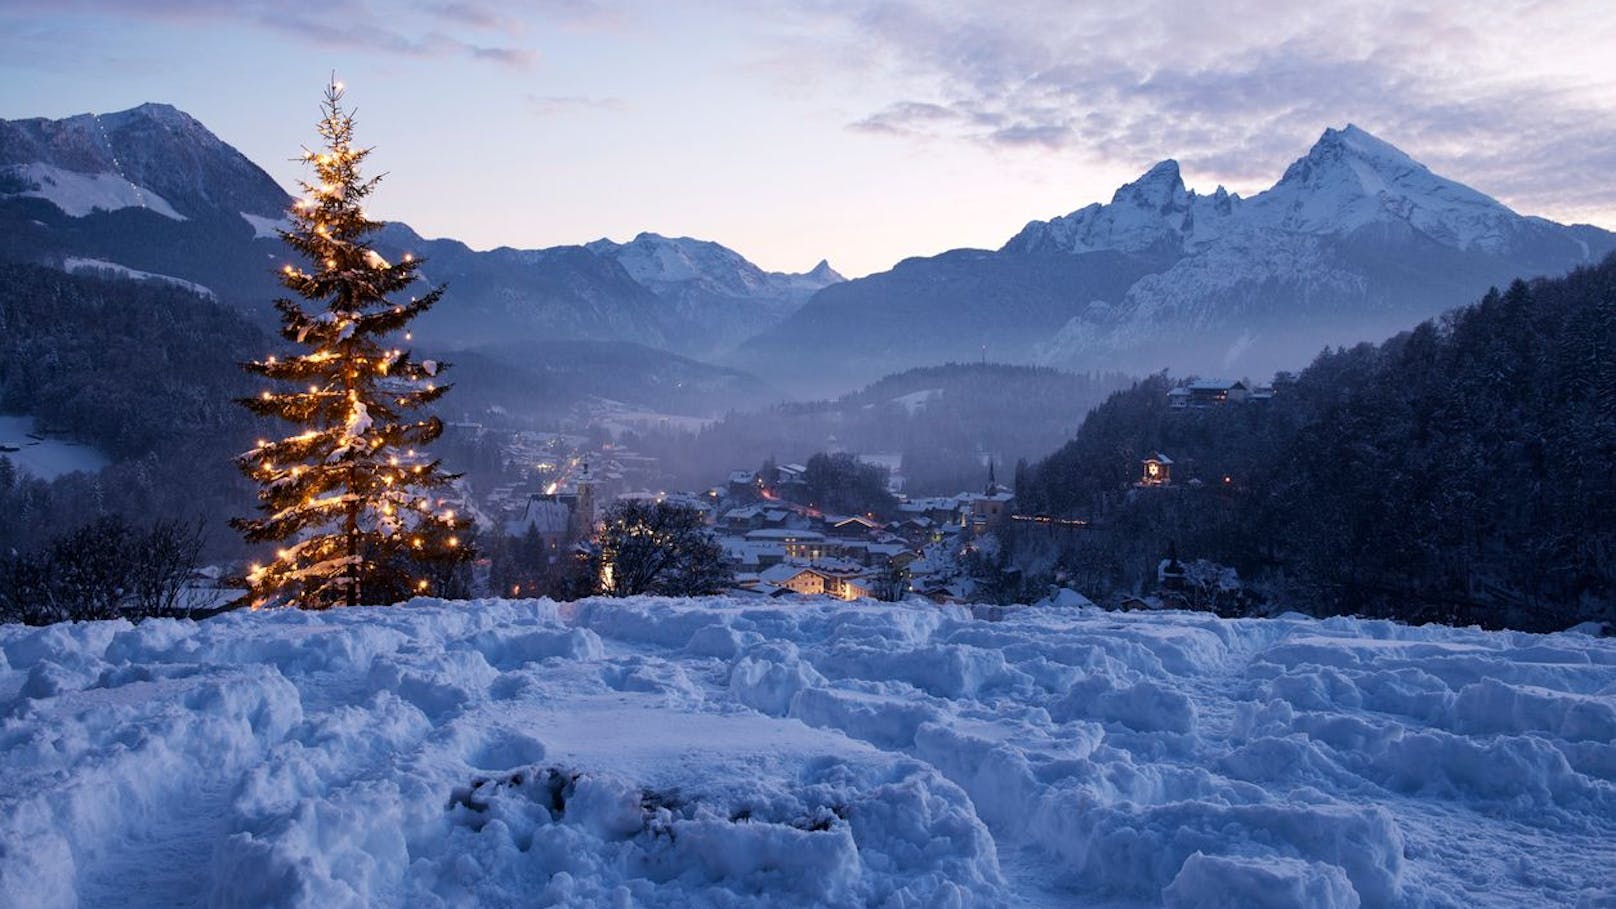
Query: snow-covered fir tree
{"points": [[351, 497]]}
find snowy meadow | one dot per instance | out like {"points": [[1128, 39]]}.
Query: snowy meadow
{"points": [[725, 753]]}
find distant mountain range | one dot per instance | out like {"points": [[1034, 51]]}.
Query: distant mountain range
{"points": [[150, 192], [1356, 241]]}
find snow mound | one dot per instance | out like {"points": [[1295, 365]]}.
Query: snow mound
{"points": [[723, 753]]}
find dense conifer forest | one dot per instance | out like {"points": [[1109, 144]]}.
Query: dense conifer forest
{"points": [[144, 371], [1461, 471]]}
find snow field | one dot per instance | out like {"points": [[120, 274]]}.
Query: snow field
{"points": [[726, 753]]}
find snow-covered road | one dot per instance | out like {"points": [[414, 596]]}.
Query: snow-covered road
{"points": [[727, 753]]}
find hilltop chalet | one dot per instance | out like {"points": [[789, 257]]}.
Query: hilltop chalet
{"points": [[1215, 392]]}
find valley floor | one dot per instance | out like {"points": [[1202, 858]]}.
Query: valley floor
{"points": [[726, 753]]}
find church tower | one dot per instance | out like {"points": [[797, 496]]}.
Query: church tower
{"points": [[584, 515]]}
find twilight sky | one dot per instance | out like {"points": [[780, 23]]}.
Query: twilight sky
{"points": [[855, 130]]}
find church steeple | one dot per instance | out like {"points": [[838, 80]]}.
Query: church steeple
{"points": [[584, 514], [993, 483]]}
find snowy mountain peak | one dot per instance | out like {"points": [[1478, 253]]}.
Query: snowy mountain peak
{"points": [[156, 112], [824, 274], [661, 263], [1161, 187], [1350, 180], [1153, 213]]}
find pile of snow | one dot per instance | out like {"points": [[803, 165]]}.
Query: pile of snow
{"points": [[725, 753]]}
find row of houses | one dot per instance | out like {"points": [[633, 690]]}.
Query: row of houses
{"points": [[778, 547]]}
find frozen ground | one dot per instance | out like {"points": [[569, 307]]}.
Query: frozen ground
{"points": [[46, 457], [718, 753]]}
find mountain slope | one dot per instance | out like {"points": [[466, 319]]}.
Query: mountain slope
{"points": [[1355, 240], [963, 305], [152, 190]]}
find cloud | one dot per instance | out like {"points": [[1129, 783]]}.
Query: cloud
{"points": [[555, 105], [908, 118], [515, 16], [341, 24], [1515, 97]]}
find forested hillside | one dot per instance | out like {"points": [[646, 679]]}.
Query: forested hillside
{"points": [[144, 371], [1465, 470]]}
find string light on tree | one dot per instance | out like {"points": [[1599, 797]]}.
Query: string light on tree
{"points": [[347, 497]]}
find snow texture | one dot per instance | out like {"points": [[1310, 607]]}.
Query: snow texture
{"points": [[266, 228], [728, 753], [78, 194], [46, 457], [75, 265]]}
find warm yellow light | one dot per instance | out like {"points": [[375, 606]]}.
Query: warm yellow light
{"points": [[453, 542], [420, 585]]}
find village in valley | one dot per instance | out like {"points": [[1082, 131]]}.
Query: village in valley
{"points": [[778, 540]]}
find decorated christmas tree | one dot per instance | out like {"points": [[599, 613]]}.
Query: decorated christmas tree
{"points": [[351, 498]]}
